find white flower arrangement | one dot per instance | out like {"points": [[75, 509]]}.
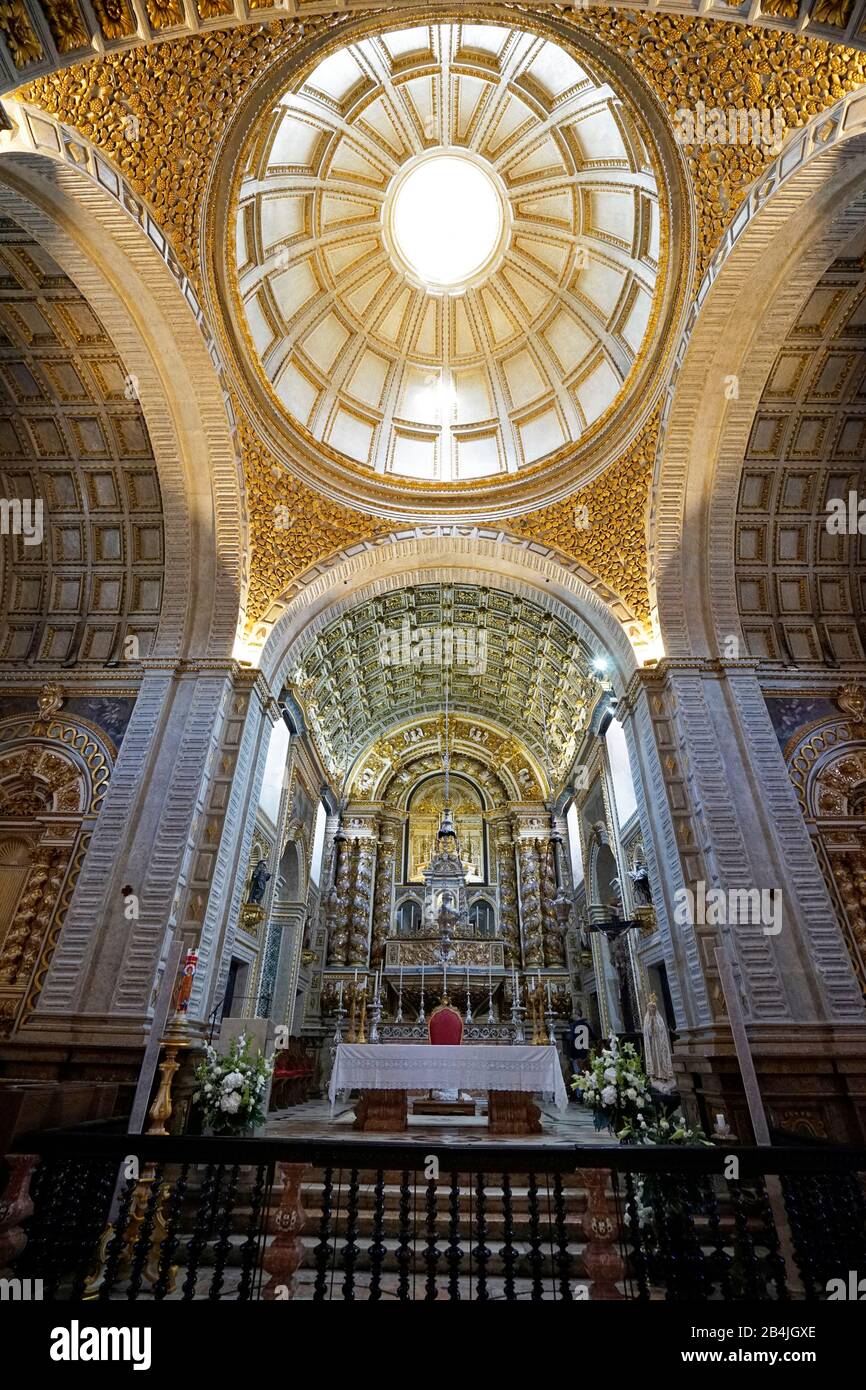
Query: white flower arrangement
{"points": [[231, 1088], [616, 1089]]}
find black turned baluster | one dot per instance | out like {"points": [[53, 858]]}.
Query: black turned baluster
{"points": [[56, 1208], [142, 1248], [455, 1253], [171, 1239], [536, 1258], [720, 1261], [251, 1246], [850, 1208], [224, 1240], [404, 1233], [744, 1271], [507, 1248], [635, 1233], [377, 1250], [481, 1253], [70, 1232], [100, 1190], [115, 1247], [323, 1248], [659, 1193], [686, 1197], [431, 1250], [350, 1249], [792, 1187], [196, 1245], [774, 1263]]}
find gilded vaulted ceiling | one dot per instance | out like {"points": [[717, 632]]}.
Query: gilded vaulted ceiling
{"points": [[384, 366], [73, 437], [500, 656], [162, 112], [801, 586], [497, 761]]}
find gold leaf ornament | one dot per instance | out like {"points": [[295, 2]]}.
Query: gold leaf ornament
{"points": [[21, 40], [67, 27], [114, 18]]}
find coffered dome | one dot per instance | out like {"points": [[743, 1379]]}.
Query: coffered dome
{"points": [[447, 248]]}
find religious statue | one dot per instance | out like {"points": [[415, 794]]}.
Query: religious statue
{"points": [[258, 883], [657, 1048], [639, 876]]}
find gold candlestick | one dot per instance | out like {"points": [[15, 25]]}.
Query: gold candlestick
{"points": [[362, 1032]]}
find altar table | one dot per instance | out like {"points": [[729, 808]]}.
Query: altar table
{"points": [[511, 1074]]}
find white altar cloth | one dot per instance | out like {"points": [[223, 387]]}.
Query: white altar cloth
{"points": [[468, 1067]]}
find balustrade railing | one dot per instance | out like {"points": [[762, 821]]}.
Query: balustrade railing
{"points": [[112, 1216]]}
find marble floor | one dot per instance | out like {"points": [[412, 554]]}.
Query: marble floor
{"points": [[313, 1120]]}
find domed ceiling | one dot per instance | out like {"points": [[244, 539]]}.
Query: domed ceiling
{"points": [[447, 246]]}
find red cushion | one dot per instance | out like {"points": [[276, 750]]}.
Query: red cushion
{"points": [[446, 1027]]}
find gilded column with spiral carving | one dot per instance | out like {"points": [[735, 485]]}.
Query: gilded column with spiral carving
{"points": [[382, 898], [359, 923], [530, 896], [508, 915], [558, 913], [337, 904]]}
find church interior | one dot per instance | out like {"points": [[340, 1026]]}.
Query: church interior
{"points": [[433, 649]]}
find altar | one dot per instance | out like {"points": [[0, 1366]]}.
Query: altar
{"points": [[385, 1073]]}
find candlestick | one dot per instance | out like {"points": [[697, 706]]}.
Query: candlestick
{"points": [[421, 1012], [468, 1000], [399, 1017]]}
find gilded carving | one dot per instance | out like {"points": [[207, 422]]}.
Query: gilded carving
{"points": [[67, 27], [359, 921], [291, 526], [214, 9], [50, 700], [508, 927], [114, 18], [165, 14], [337, 906], [851, 699], [613, 540], [530, 896], [382, 901], [835, 12], [17, 30]]}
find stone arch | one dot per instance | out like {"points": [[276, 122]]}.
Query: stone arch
{"points": [[104, 240], [292, 870], [473, 554], [49, 38], [798, 215]]}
